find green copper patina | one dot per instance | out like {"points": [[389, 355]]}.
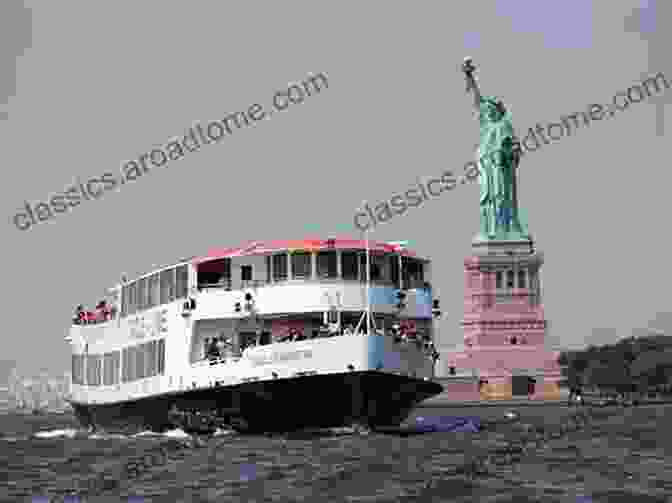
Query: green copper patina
{"points": [[498, 158]]}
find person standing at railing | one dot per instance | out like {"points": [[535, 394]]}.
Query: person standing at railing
{"points": [[100, 313], [80, 315], [221, 347], [206, 346], [213, 352], [90, 317]]}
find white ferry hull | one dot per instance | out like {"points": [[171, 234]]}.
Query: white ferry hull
{"points": [[350, 379], [317, 401]]}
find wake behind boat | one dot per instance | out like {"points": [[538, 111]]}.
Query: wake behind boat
{"points": [[272, 336]]}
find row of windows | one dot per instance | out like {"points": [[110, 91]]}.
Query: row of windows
{"points": [[144, 360], [384, 267], [160, 288]]}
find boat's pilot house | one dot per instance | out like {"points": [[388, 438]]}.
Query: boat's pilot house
{"points": [[350, 265]]}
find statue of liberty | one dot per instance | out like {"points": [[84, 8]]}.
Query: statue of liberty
{"points": [[498, 157]]}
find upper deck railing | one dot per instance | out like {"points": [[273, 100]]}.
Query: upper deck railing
{"points": [[227, 283]]}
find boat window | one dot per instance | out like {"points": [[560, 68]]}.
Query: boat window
{"points": [[128, 361], [111, 368], [167, 286], [93, 368], [394, 268], [124, 301], [301, 265], [140, 362], [107, 367], [327, 264], [182, 281], [153, 290], [412, 273], [509, 279], [246, 273], [349, 265], [380, 267], [150, 359], [279, 266], [214, 273], [132, 374], [161, 360], [131, 298], [78, 369], [125, 367], [115, 367], [267, 258], [142, 294], [499, 279]]}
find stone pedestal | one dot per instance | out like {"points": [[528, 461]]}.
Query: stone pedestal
{"points": [[504, 325]]}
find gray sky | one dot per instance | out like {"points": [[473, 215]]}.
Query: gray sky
{"points": [[85, 86]]}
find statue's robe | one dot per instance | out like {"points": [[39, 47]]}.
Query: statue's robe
{"points": [[497, 164]]}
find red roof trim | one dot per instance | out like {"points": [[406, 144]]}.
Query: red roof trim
{"points": [[262, 247]]}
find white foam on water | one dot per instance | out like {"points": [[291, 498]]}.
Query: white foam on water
{"points": [[147, 433], [68, 432], [344, 430], [219, 432], [176, 433], [108, 436]]}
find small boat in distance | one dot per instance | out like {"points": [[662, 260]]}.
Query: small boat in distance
{"points": [[266, 337]]}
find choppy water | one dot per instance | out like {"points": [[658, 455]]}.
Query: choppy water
{"points": [[50, 456]]}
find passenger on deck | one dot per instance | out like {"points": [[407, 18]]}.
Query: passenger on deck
{"points": [[334, 329], [412, 335], [90, 317], [101, 311], [213, 352], [80, 315], [221, 346], [109, 311], [349, 330]]}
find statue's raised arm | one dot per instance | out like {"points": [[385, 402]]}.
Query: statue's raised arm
{"points": [[468, 68]]}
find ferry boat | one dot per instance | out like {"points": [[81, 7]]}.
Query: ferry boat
{"points": [[314, 333]]}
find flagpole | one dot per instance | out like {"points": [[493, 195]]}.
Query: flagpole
{"points": [[368, 284]]}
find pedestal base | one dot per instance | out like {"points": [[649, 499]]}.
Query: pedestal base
{"points": [[497, 391]]}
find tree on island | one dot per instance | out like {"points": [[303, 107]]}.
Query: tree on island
{"points": [[632, 365]]}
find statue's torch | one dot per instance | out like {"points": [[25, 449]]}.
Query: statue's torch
{"points": [[468, 68]]}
